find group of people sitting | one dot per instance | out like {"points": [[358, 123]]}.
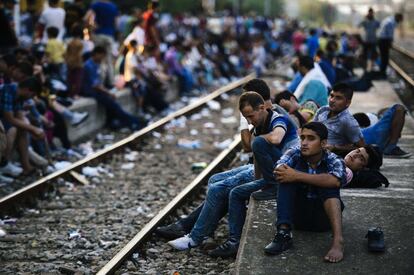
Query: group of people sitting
{"points": [[302, 157]]}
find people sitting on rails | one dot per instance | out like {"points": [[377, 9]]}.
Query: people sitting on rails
{"points": [[384, 130], [273, 134], [344, 133], [93, 86], [203, 220], [300, 113], [310, 179], [3, 151], [16, 125], [314, 84]]}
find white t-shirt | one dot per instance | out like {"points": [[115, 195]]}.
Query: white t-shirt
{"points": [[53, 17], [137, 34], [130, 64]]}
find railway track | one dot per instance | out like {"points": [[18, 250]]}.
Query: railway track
{"points": [[84, 226], [402, 61]]}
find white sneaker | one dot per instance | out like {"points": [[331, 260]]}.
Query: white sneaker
{"points": [[78, 118], [5, 180], [2, 233], [183, 243], [11, 170]]}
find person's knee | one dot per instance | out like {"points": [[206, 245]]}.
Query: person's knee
{"points": [[215, 191], [259, 144]]}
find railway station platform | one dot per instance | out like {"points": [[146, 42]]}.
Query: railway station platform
{"points": [[390, 208]]}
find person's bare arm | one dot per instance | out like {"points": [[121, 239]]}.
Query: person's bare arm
{"points": [[276, 136], [345, 148]]}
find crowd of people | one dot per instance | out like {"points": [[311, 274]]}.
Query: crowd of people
{"points": [[306, 143], [302, 155]]}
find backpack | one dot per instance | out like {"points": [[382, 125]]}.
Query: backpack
{"points": [[368, 179]]}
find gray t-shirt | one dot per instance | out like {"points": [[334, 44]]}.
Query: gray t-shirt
{"points": [[342, 128], [370, 27]]}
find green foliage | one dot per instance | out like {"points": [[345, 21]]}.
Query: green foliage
{"points": [[318, 13]]}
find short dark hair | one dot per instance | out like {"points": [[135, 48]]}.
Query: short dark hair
{"points": [[53, 2], [284, 95], [312, 31], [306, 61], [259, 86], [98, 50], [52, 32], [252, 99], [344, 89], [318, 127], [320, 53], [374, 156], [25, 67], [362, 119], [33, 84]]}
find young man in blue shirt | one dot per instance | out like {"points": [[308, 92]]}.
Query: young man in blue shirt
{"points": [[92, 86]]}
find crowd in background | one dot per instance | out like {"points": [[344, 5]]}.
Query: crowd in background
{"points": [[73, 50]]}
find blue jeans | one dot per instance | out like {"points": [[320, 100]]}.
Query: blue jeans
{"points": [[113, 109], [266, 155], [215, 204], [379, 133], [237, 206], [302, 205]]}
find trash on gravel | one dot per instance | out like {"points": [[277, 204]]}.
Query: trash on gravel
{"points": [[128, 166], [216, 132], [225, 97], [227, 112], [74, 234], [134, 259], [205, 112], [177, 123], [196, 116], [157, 146], [156, 134], [102, 137], [2, 233], [244, 157], [131, 156], [209, 125], [62, 165], [189, 144], [229, 120], [193, 132], [198, 166], [86, 148], [105, 244], [169, 137], [8, 221], [224, 144], [90, 171], [33, 211], [214, 105]]}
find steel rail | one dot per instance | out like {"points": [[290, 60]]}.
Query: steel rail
{"points": [[19, 197], [398, 68], [139, 239]]}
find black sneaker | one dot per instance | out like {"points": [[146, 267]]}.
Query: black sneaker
{"points": [[281, 242], [225, 250], [375, 240], [171, 232], [266, 193], [397, 153]]}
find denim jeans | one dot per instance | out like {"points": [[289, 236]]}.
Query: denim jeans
{"points": [[266, 155], [113, 109], [189, 221], [302, 205], [237, 206], [215, 204], [379, 133]]}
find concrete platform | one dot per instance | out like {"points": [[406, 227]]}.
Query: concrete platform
{"points": [[391, 208]]}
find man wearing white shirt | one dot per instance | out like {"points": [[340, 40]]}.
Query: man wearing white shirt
{"points": [[52, 16], [314, 85], [386, 36], [137, 34]]}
